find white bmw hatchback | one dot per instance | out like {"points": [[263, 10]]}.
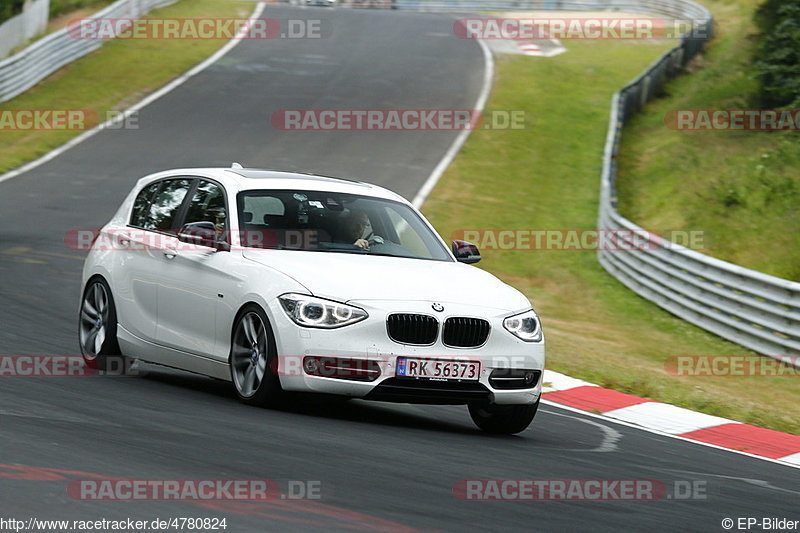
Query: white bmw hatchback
{"points": [[280, 281]]}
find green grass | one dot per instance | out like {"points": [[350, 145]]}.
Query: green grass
{"points": [[742, 189], [547, 177], [60, 7], [112, 78]]}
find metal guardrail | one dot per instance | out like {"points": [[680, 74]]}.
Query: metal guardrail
{"points": [[25, 69], [753, 309], [750, 308], [671, 8]]}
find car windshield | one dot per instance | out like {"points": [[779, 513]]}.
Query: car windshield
{"points": [[334, 222]]}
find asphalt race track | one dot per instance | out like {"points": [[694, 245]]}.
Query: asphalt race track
{"points": [[380, 467]]}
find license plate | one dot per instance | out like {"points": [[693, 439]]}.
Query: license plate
{"points": [[408, 367]]}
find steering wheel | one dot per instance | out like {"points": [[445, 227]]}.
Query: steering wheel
{"points": [[373, 239]]}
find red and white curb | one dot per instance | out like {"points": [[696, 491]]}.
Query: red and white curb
{"points": [[535, 49], [530, 49], [671, 420]]}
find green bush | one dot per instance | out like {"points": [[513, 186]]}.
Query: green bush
{"points": [[9, 8], [778, 53], [59, 7]]}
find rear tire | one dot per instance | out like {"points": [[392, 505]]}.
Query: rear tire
{"points": [[97, 325], [503, 419], [254, 359]]}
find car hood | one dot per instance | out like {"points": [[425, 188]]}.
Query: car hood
{"points": [[351, 277]]}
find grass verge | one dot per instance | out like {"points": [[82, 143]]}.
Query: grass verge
{"points": [[547, 177], [115, 76], [741, 189], [65, 7]]}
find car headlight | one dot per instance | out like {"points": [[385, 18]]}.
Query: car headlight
{"points": [[525, 326], [314, 312]]}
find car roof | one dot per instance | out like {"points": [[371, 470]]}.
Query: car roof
{"points": [[237, 179]]}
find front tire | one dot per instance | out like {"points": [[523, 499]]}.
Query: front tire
{"points": [[97, 325], [503, 419], [253, 359]]}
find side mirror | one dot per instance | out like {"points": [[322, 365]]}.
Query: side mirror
{"points": [[466, 252], [200, 233]]}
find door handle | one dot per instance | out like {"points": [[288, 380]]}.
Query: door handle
{"points": [[124, 239], [170, 253]]}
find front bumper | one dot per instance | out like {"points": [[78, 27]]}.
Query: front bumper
{"points": [[368, 340]]}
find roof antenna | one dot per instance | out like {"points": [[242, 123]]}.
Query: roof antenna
{"points": [[236, 165]]}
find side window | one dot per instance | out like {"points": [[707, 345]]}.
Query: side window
{"points": [[256, 207], [161, 216], [141, 204], [208, 205]]}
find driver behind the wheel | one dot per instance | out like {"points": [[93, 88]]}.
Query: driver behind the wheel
{"points": [[352, 228]]}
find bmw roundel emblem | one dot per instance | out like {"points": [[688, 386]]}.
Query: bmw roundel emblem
{"points": [[438, 308]]}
